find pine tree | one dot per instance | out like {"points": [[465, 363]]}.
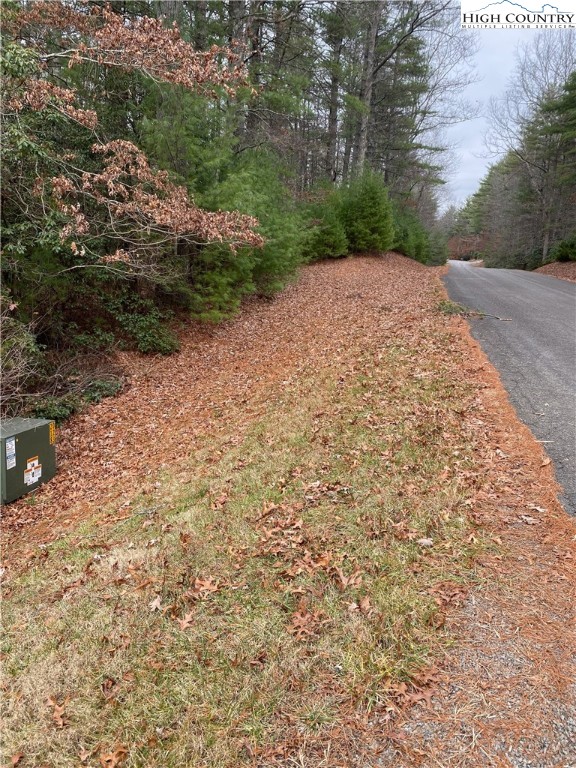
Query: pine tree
{"points": [[367, 215]]}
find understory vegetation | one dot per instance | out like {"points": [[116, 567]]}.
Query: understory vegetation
{"points": [[140, 190]]}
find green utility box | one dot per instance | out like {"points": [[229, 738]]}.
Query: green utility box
{"points": [[27, 456]]}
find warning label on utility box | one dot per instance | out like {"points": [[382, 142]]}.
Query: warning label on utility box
{"points": [[10, 453], [33, 471]]}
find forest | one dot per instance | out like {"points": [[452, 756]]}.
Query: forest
{"points": [[524, 213], [164, 160]]}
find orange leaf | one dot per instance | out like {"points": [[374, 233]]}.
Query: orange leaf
{"points": [[58, 714], [113, 759]]}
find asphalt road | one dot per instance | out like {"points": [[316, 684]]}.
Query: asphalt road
{"points": [[535, 352]]}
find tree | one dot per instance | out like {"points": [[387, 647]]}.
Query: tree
{"points": [[367, 215], [90, 228], [523, 127], [124, 202]]}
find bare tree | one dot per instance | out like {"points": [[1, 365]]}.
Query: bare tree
{"points": [[542, 68]]}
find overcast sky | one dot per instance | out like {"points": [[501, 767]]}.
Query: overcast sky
{"points": [[494, 63]]}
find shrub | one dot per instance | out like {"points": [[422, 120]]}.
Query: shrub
{"points": [[326, 237], [411, 237], [95, 341], [98, 389], [437, 249], [21, 358], [143, 324], [219, 278], [367, 214], [219, 281], [148, 333], [565, 250], [57, 408]]}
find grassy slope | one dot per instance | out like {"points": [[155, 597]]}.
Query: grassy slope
{"points": [[295, 580]]}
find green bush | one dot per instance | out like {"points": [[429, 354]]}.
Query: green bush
{"points": [[367, 215], [95, 341], [98, 389], [148, 333], [565, 250], [411, 237], [57, 408], [437, 249], [142, 324], [220, 278], [326, 236]]}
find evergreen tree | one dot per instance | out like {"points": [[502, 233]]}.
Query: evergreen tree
{"points": [[367, 215]]}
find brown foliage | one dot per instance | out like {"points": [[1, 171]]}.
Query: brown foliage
{"points": [[132, 191], [137, 205], [142, 44]]}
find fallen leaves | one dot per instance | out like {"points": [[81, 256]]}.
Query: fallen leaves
{"points": [[203, 588], [448, 593], [109, 688], [353, 581], [59, 717], [363, 606], [312, 581], [305, 624], [156, 604]]}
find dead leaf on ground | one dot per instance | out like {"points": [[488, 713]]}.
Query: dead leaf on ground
{"points": [[58, 712], [306, 623], [113, 759], [109, 687], [187, 621], [203, 588], [156, 604], [85, 754], [344, 582]]}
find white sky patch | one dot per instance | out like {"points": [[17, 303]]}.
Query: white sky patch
{"points": [[495, 63]]}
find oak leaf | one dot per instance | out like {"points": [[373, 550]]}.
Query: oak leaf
{"points": [[187, 621], [58, 712], [113, 759], [156, 604]]}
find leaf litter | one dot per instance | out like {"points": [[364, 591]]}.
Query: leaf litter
{"points": [[504, 692]]}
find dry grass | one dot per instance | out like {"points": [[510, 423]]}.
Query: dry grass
{"points": [[289, 577]]}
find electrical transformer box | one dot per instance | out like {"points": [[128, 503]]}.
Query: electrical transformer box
{"points": [[27, 456]]}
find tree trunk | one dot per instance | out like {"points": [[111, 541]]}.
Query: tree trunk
{"points": [[236, 17], [336, 41], [367, 84]]}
